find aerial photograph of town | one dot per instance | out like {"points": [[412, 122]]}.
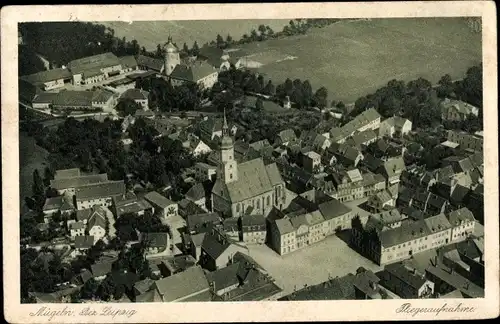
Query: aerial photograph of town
{"points": [[251, 160]]}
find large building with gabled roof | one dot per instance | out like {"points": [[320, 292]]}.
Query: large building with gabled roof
{"points": [[250, 187]]}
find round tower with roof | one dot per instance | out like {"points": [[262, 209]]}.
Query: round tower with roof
{"points": [[172, 57], [228, 169]]}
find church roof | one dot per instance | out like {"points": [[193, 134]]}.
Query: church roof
{"points": [[254, 179], [192, 73]]}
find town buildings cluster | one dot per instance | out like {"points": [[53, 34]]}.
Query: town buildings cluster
{"points": [[288, 193]]}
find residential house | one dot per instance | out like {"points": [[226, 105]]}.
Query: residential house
{"points": [[197, 223], [395, 126], [463, 223], [130, 204], [337, 216], [253, 229], [242, 280], [436, 204], [97, 225], [98, 194], [217, 251], [440, 230], [349, 185], [56, 204], [195, 243], [101, 269], [406, 283], [286, 137], [312, 162], [205, 171], [186, 286], [364, 138], [94, 68], [82, 244], [392, 169], [76, 229], [457, 110], [197, 195], [163, 206], [281, 232], [362, 285], [447, 280], [157, 245], [466, 140], [373, 183], [321, 143], [212, 127], [231, 227], [139, 96], [346, 154], [388, 219], [380, 201]]}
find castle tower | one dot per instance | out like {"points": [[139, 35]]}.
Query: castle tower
{"points": [[172, 57], [228, 167]]}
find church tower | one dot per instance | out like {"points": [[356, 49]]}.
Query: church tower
{"points": [[228, 167], [172, 57]]}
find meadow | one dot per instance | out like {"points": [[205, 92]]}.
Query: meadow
{"points": [[349, 58], [151, 33]]}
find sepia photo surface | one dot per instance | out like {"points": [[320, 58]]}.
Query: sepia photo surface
{"points": [[272, 162]]}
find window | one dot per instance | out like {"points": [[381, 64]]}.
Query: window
{"points": [[268, 200], [238, 208], [258, 203], [230, 176]]}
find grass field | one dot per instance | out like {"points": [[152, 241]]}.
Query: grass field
{"points": [[349, 58], [354, 58], [151, 33]]}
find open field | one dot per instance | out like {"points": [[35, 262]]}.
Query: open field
{"points": [[311, 265], [151, 33], [354, 58]]}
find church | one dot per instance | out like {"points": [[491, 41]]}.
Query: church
{"points": [[179, 73], [249, 188]]}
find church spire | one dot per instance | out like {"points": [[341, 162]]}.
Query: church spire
{"points": [[225, 127]]}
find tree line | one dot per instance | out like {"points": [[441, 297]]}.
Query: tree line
{"points": [[419, 101]]}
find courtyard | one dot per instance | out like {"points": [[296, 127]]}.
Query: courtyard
{"points": [[177, 225], [312, 265]]}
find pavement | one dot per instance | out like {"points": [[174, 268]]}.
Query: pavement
{"points": [[311, 265], [177, 224]]}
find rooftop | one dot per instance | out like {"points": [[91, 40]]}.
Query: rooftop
{"points": [[66, 181], [98, 190], [190, 282], [157, 199]]}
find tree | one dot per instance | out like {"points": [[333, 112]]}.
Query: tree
{"points": [[185, 48], [262, 30], [269, 89], [89, 289], [195, 50], [321, 97], [159, 51], [38, 186], [219, 41], [259, 105], [253, 34], [126, 107], [229, 39]]}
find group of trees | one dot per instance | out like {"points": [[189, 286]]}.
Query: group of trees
{"points": [[301, 94], [62, 42], [419, 101], [165, 97]]}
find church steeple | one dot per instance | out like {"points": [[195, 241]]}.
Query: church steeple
{"points": [[228, 168]]}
